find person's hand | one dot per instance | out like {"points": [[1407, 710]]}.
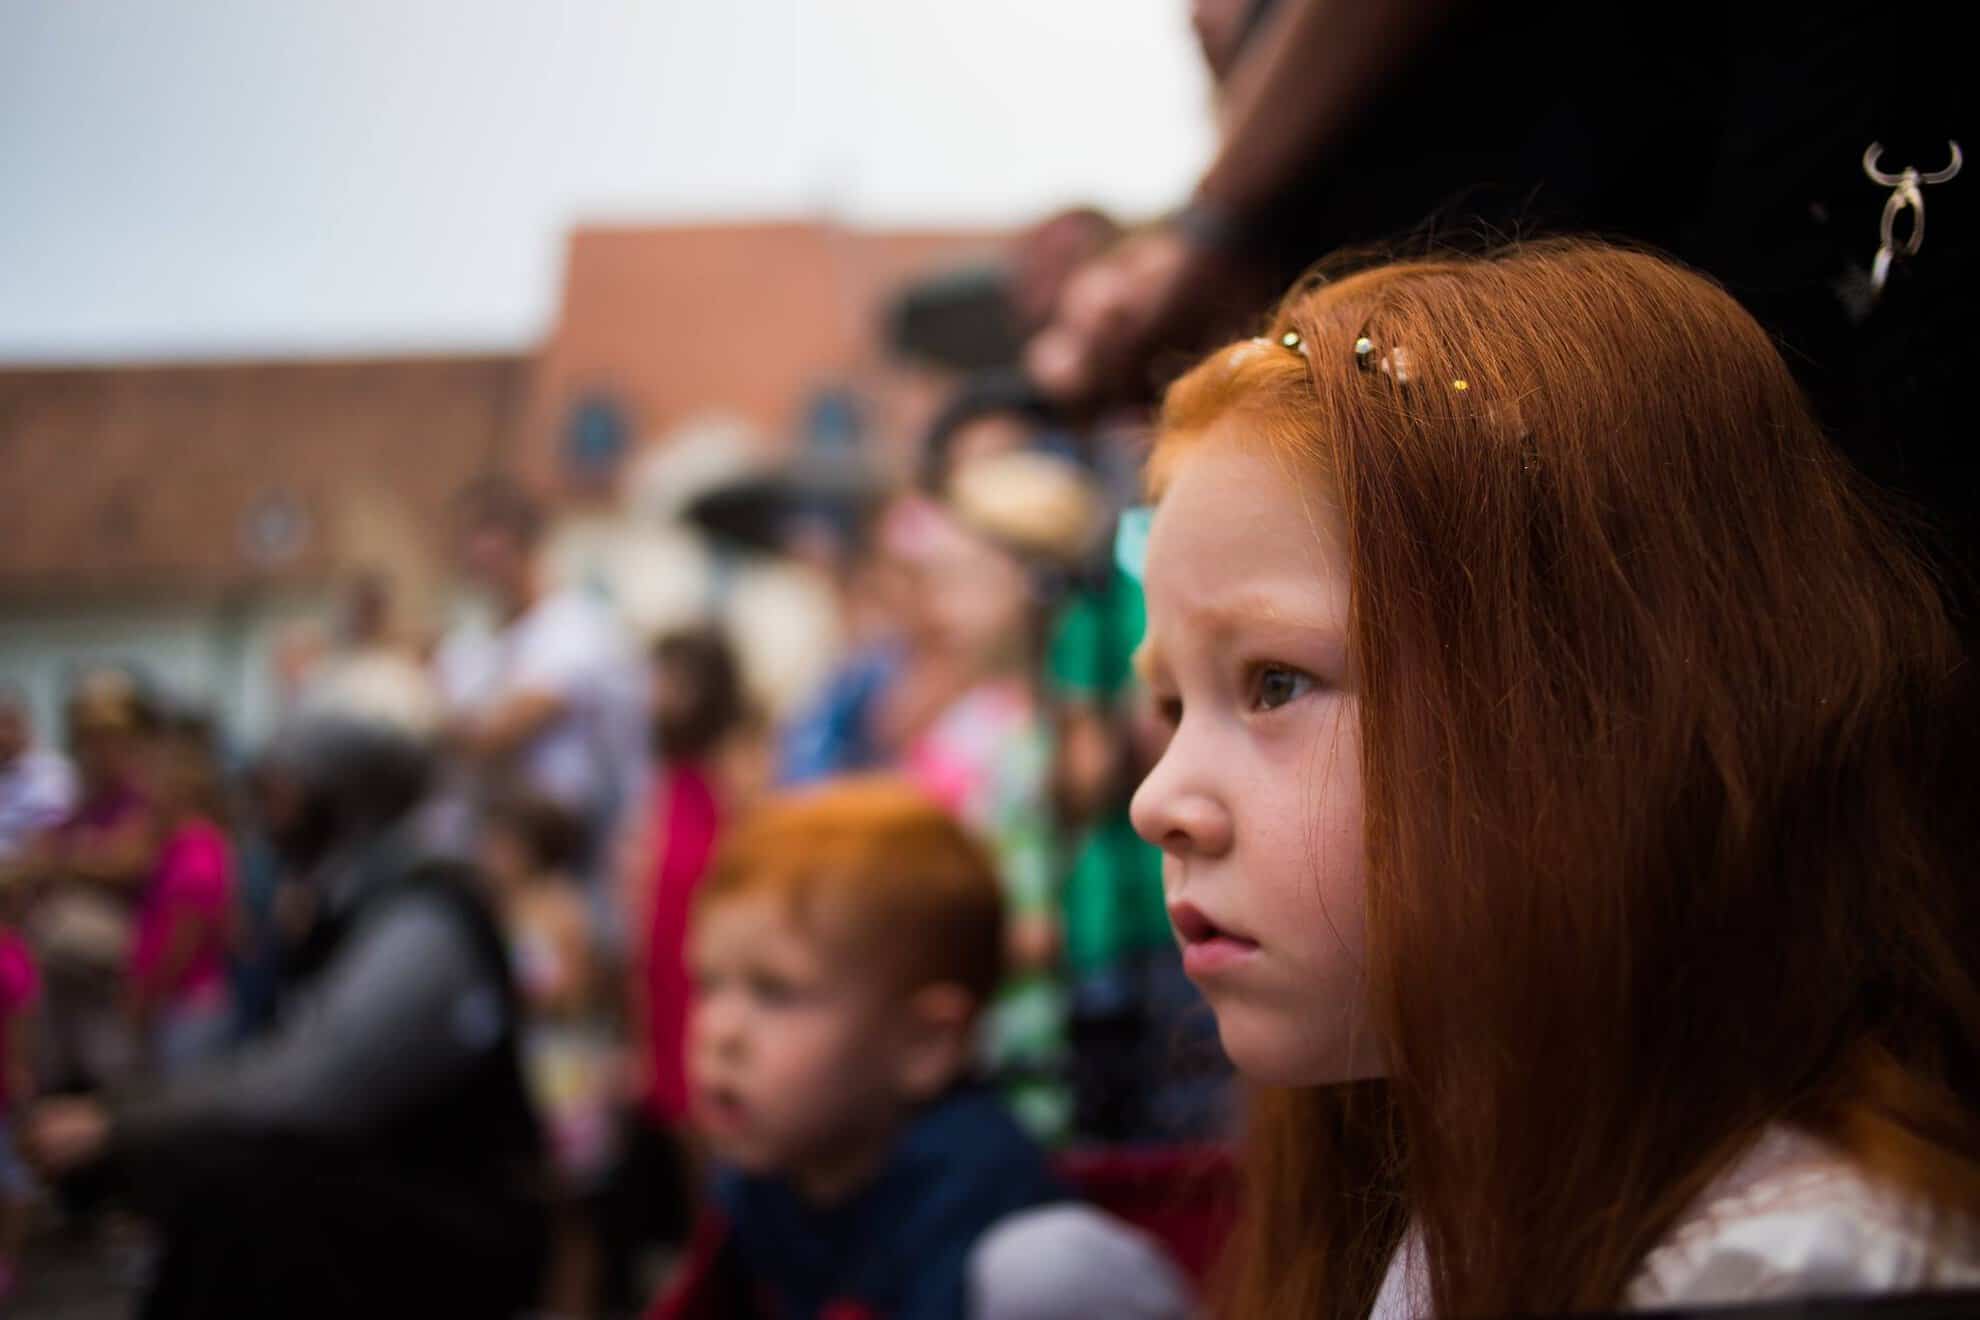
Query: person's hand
{"points": [[65, 1133], [1154, 291], [1106, 308]]}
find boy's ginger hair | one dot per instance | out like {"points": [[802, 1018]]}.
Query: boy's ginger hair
{"points": [[883, 872]]}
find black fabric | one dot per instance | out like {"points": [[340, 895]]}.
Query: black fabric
{"points": [[1728, 136], [899, 1246], [484, 1134], [279, 1227], [648, 1202], [442, 1211]]}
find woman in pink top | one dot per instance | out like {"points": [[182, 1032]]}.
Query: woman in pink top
{"points": [[698, 723], [178, 975]]}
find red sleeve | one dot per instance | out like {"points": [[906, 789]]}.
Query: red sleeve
{"points": [[709, 1284]]}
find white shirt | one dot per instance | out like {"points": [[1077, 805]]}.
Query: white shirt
{"points": [[37, 789], [380, 683], [1792, 1219], [569, 646]]}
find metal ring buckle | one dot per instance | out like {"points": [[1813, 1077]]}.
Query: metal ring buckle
{"points": [[1905, 196], [1875, 151]]}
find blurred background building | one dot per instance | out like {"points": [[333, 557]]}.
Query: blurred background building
{"points": [[279, 283]]}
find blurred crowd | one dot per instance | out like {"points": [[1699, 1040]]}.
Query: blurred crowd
{"points": [[172, 901], [448, 913]]}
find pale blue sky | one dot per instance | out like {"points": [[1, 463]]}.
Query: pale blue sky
{"points": [[183, 178]]}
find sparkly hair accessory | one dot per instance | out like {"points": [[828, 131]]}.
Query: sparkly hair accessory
{"points": [[1397, 363], [1289, 341]]}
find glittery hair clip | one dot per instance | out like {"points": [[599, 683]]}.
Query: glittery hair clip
{"points": [[1289, 341], [1397, 364]]}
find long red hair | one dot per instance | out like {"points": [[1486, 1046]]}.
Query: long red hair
{"points": [[1654, 712]]}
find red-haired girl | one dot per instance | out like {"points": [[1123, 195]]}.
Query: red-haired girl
{"points": [[1560, 806]]}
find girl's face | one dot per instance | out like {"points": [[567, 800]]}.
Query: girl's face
{"points": [[1256, 800]]}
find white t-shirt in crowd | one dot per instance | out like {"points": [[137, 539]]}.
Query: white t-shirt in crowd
{"points": [[592, 757], [1791, 1220], [37, 789], [375, 683]]}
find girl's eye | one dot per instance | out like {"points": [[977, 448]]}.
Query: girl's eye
{"points": [[1273, 686]]}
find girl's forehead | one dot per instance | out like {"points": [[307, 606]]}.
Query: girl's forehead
{"points": [[1232, 508]]}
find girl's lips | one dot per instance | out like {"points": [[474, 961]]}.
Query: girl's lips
{"points": [[1207, 947]]}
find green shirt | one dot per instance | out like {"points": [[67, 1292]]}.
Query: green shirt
{"points": [[1113, 893]]}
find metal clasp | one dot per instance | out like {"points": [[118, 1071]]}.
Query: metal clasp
{"points": [[1905, 196]]}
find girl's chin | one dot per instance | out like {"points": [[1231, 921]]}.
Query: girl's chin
{"points": [[1273, 1053]]}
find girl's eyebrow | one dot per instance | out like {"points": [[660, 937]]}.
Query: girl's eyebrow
{"points": [[1220, 621], [1254, 610]]}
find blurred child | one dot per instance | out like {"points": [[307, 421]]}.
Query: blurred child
{"points": [[984, 753], [20, 985], [844, 946], [88, 871], [531, 849], [1146, 1066], [178, 989]]}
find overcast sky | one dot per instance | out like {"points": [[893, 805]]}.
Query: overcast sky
{"points": [[181, 178]]}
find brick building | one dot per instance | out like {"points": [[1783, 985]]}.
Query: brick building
{"points": [[182, 515]]}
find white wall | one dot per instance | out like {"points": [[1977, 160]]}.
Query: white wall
{"points": [[201, 177], [215, 659]]}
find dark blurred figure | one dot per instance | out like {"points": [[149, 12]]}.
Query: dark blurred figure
{"points": [[376, 1154], [1732, 137], [257, 948]]}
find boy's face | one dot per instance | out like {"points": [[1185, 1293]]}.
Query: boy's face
{"points": [[795, 1057], [1256, 802]]}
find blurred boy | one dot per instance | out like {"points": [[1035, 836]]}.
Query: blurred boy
{"points": [[843, 946]]}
